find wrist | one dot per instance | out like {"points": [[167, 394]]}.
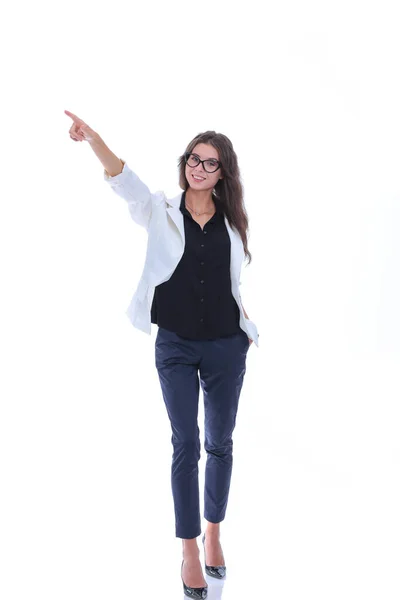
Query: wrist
{"points": [[96, 140]]}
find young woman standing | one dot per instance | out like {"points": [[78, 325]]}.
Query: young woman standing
{"points": [[197, 242]]}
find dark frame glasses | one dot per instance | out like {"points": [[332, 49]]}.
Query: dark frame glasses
{"points": [[198, 160]]}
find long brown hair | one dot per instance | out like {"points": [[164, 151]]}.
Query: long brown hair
{"points": [[228, 190]]}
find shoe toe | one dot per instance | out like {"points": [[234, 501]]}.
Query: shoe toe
{"points": [[197, 593], [218, 572]]}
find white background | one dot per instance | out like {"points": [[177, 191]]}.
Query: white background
{"points": [[308, 92]]}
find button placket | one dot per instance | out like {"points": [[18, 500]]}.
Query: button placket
{"points": [[202, 312]]}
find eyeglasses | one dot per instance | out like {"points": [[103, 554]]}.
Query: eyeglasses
{"points": [[210, 165]]}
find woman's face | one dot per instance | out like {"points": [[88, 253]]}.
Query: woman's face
{"points": [[206, 181]]}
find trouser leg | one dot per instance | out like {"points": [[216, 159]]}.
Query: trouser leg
{"points": [[222, 371], [177, 367]]}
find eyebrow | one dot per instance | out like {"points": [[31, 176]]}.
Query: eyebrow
{"points": [[195, 153]]}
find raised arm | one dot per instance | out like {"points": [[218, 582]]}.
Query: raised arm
{"points": [[123, 181], [81, 132]]}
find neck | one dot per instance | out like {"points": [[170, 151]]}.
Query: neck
{"points": [[200, 201]]}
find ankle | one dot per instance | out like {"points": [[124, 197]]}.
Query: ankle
{"points": [[190, 549], [212, 531]]}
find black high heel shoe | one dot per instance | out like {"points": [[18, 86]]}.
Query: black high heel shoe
{"points": [[217, 572], [197, 593]]}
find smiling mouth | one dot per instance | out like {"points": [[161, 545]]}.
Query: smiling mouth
{"points": [[198, 178]]}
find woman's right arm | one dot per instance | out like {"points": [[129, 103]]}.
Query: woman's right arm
{"points": [[119, 176], [111, 163]]}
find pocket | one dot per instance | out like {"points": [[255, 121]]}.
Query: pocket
{"points": [[164, 335], [159, 335]]}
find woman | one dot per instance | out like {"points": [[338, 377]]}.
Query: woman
{"points": [[190, 288]]}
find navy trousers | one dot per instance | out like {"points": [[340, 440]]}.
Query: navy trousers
{"points": [[219, 365]]}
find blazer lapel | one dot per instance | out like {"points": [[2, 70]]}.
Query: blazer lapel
{"points": [[237, 252], [176, 215]]}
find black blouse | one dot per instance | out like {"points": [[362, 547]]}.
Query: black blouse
{"points": [[197, 301]]}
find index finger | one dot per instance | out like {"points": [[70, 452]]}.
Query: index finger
{"points": [[74, 117]]}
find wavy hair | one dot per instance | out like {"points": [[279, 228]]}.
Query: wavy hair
{"points": [[228, 190]]}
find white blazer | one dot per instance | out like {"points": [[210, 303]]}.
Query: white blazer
{"points": [[163, 220]]}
